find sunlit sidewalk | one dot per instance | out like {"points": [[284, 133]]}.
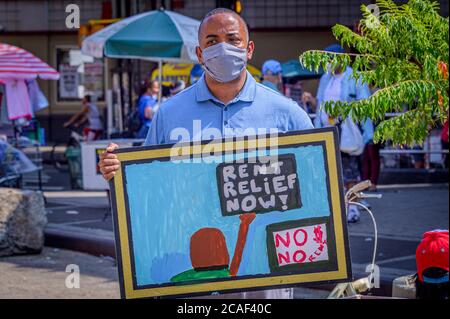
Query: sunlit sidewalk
{"points": [[45, 276]]}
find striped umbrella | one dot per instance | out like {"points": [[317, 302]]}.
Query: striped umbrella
{"points": [[16, 63]]}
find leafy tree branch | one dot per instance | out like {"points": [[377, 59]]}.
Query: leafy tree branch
{"points": [[404, 53]]}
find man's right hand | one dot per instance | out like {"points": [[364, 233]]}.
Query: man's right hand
{"points": [[109, 163]]}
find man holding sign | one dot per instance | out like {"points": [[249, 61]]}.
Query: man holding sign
{"points": [[226, 101]]}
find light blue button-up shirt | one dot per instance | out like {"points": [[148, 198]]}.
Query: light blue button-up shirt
{"points": [[195, 114]]}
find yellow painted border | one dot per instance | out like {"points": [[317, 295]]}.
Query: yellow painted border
{"points": [[333, 177]]}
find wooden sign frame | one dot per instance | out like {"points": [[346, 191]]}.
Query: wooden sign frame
{"points": [[337, 271]]}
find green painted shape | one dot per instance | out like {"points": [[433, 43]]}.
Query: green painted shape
{"points": [[193, 274]]}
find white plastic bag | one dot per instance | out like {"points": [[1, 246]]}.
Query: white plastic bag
{"points": [[351, 138]]}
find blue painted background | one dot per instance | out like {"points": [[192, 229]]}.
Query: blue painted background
{"points": [[169, 202]]}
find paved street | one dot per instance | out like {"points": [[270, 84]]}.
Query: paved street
{"points": [[403, 214]]}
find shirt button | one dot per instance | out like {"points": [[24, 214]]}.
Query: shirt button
{"points": [[225, 122], [225, 108]]}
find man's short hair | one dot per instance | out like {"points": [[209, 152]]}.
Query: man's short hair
{"points": [[87, 98], [213, 12]]}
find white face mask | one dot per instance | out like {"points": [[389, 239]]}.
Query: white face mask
{"points": [[224, 62]]}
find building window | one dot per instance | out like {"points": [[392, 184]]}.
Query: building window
{"points": [[79, 75], [270, 14]]}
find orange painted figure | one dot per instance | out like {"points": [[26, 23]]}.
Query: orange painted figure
{"points": [[209, 253]]}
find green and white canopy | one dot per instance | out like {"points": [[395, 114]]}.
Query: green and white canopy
{"points": [[154, 35]]}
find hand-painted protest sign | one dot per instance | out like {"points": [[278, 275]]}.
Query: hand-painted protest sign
{"points": [[176, 235], [258, 185]]}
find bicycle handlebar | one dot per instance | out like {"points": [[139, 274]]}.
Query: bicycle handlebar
{"points": [[364, 195], [360, 186]]}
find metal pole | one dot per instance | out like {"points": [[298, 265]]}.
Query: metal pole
{"points": [[36, 135], [427, 156], [130, 88], [160, 80], [109, 111], [121, 89]]}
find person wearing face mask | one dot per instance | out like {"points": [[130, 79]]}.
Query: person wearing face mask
{"points": [[226, 99]]}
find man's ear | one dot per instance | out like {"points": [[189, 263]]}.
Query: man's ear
{"points": [[251, 48], [198, 52]]}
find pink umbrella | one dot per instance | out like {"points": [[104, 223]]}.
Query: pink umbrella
{"points": [[16, 63]]}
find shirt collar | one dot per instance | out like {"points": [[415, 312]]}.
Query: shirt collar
{"points": [[247, 93]]}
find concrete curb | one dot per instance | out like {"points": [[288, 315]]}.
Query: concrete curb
{"points": [[99, 242], [92, 241], [412, 175]]}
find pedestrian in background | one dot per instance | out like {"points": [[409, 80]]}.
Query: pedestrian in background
{"points": [[177, 87], [90, 114], [371, 162], [341, 86], [195, 74], [271, 73], [146, 106], [309, 102]]}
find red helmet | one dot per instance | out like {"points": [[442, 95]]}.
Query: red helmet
{"points": [[432, 252]]}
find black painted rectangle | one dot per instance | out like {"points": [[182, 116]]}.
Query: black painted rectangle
{"points": [[305, 267], [259, 185]]}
